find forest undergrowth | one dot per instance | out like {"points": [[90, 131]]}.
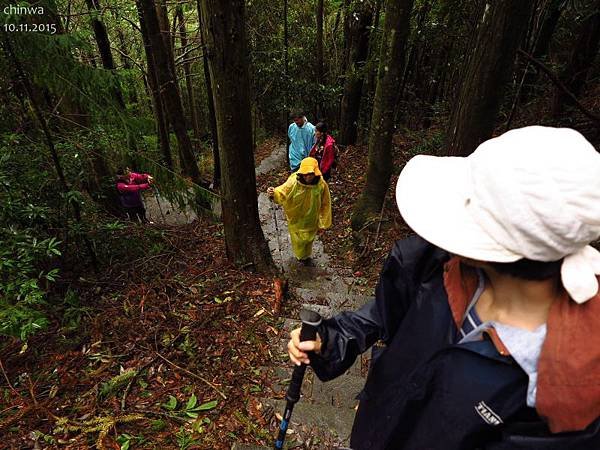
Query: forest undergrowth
{"points": [[161, 351]]}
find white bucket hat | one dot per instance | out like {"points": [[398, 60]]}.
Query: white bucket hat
{"points": [[530, 193]]}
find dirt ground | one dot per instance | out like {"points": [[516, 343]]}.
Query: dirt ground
{"points": [[163, 351]]}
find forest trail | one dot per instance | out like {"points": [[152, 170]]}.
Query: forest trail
{"points": [[161, 211], [324, 415]]}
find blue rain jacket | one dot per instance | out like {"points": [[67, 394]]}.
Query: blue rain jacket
{"points": [[301, 142], [424, 391]]}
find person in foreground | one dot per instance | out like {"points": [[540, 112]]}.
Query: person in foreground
{"points": [[489, 318], [130, 185], [307, 204]]}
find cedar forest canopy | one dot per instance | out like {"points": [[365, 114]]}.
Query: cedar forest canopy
{"points": [[195, 93]]}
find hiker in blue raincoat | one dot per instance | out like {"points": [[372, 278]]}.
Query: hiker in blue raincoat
{"points": [[302, 138]]}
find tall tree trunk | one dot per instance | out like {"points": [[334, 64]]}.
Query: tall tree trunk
{"points": [[103, 43], [211, 107], [188, 75], [168, 88], [358, 41], [487, 74], [285, 37], [391, 66], [320, 76], [224, 25], [162, 128], [584, 51], [347, 18], [162, 15], [126, 62], [415, 47], [372, 75], [541, 47]]}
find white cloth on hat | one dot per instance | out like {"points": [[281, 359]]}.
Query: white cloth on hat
{"points": [[530, 193], [578, 273]]}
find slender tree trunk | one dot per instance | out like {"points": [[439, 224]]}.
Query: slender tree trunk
{"points": [[126, 62], [415, 47], [162, 129], [320, 75], [358, 40], [103, 43], [584, 51], [188, 76], [347, 19], [489, 69], [168, 89], [210, 105], [224, 25], [372, 75], [285, 37], [541, 47], [391, 66]]}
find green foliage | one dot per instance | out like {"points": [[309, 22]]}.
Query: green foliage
{"points": [[429, 144], [185, 439], [191, 409], [127, 441], [26, 255], [112, 386]]}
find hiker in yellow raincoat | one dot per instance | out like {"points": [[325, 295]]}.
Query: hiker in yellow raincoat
{"points": [[307, 204]]}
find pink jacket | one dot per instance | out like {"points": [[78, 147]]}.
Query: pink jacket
{"points": [[130, 191]]}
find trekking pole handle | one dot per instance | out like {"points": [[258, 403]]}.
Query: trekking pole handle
{"points": [[310, 322]]}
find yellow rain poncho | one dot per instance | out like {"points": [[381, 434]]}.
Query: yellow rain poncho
{"points": [[307, 207]]}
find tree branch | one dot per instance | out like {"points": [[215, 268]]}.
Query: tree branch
{"points": [[561, 86]]}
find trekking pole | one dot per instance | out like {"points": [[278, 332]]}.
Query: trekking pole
{"points": [[310, 321], [274, 209], [155, 191]]}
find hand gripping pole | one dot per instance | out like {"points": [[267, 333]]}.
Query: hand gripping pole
{"points": [[310, 321]]}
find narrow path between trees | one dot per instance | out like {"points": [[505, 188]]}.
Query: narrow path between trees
{"points": [[324, 415]]}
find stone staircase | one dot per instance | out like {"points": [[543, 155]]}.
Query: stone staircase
{"points": [[324, 415]]}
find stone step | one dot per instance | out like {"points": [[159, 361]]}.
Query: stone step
{"points": [[324, 418], [329, 282], [324, 310], [347, 302], [338, 301], [340, 392]]}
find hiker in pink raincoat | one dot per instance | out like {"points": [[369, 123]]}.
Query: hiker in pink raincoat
{"points": [[324, 150], [130, 185]]}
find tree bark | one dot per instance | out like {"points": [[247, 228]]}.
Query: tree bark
{"points": [[188, 76], [224, 25], [391, 67], [584, 51], [168, 89], [211, 107], [358, 51], [162, 129], [162, 14], [487, 74]]}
